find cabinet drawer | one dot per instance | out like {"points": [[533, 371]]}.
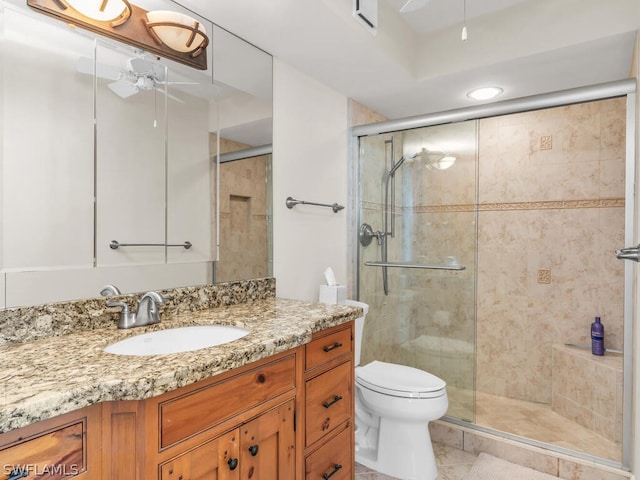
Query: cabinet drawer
{"points": [[328, 399], [55, 454], [333, 460], [194, 412], [327, 348]]}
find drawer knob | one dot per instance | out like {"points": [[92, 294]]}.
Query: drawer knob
{"points": [[17, 473], [336, 398], [253, 450], [262, 378], [233, 463], [336, 467], [328, 348]]}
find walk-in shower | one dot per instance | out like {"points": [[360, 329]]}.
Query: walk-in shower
{"points": [[366, 232], [488, 273]]}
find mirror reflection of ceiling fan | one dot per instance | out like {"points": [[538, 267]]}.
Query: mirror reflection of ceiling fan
{"points": [[139, 75], [413, 5]]}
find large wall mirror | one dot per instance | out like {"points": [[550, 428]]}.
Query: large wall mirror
{"points": [[104, 142]]}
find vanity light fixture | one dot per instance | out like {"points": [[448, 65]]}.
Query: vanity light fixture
{"points": [[115, 11], [484, 93], [168, 34], [177, 31]]}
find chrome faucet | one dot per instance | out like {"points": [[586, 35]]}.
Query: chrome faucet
{"points": [[147, 311]]}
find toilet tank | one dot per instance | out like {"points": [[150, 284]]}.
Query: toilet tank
{"points": [[359, 326]]}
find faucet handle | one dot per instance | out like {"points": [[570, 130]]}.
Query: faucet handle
{"points": [[127, 318], [125, 307]]}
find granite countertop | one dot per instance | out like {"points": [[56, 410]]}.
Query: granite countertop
{"points": [[51, 376]]}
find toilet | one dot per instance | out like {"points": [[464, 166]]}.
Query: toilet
{"points": [[394, 404]]}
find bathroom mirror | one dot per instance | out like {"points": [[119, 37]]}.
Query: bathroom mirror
{"points": [[74, 104]]}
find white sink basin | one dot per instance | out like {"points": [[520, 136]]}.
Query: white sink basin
{"points": [[176, 340]]}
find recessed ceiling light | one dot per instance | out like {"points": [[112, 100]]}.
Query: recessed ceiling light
{"points": [[484, 93]]}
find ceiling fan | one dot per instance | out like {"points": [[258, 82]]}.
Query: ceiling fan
{"points": [[139, 75], [413, 5]]}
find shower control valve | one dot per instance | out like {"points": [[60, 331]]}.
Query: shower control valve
{"points": [[366, 234]]}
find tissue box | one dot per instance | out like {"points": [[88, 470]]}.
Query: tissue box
{"points": [[332, 294]]}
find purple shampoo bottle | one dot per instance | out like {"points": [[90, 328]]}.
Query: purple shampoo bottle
{"points": [[597, 337]]}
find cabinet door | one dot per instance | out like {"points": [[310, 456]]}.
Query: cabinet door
{"points": [[215, 460], [267, 446]]}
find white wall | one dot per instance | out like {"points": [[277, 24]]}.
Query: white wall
{"points": [[310, 155]]}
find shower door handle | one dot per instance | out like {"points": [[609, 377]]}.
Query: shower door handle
{"points": [[632, 253]]}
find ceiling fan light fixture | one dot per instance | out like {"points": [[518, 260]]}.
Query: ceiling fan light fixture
{"points": [[177, 31], [115, 11], [484, 93]]}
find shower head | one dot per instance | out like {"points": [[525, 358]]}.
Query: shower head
{"points": [[400, 162]]}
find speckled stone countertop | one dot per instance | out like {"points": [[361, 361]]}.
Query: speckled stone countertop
{"points": [[50, 376]]}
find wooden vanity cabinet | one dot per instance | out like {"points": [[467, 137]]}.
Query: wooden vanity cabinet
{"points": [[329, 405], [263, 448], [288, 416], [235, 426], [66, 446]]}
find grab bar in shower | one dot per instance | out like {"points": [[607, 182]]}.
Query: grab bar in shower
{"points": [[114, 244], [414, 265], [292, 202]]}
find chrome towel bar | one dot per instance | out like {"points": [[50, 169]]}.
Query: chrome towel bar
{"points": [[414, 265], [114, 244], [292, 202]]}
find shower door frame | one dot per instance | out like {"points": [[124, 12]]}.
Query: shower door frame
{"points": [[621, 88]]}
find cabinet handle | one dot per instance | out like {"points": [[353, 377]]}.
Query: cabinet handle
{"points": [[336, 467], [328, 348], [233, 463], [17, 473], [336, 398], [253, 450]]}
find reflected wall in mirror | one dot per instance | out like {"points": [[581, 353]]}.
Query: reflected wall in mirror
{"points": [[101, 142], [245, 212]]}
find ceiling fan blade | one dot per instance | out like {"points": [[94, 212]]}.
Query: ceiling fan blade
{"points": [[123, 88], [413, 5], [140, 65], [85, 65], [178, 83]]}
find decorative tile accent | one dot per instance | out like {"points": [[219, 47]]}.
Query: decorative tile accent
{"points": [[546, 142], [510, 206], [544, 275]]}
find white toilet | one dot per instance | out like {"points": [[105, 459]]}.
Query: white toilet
{"points": [[394, 404]]}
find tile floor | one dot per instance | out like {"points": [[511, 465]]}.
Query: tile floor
{"points": [[453, 464], [539, 422]]}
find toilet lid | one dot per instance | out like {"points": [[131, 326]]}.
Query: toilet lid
{"points": [[399, 380]]}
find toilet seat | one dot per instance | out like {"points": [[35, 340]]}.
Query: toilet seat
{"points": [[399, 380]]}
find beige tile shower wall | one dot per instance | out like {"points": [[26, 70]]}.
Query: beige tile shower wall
{"points": [[588, 390], [243, 220], [551, 214], [386, 324]]}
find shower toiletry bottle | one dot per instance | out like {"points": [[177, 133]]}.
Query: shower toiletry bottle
{"points": [[597, 337]]}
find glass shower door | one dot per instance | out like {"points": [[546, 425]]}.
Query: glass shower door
{"points": [[417, 255]]}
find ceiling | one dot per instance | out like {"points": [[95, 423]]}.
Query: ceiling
{"points": [[416, 62]]}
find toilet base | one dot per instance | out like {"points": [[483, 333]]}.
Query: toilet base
{"points": [[404, 451]]}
